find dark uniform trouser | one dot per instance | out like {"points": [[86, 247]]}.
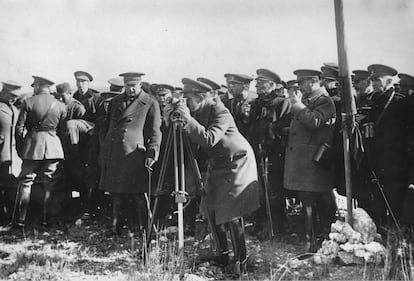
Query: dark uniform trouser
{"points": [[7, 182], [47, 171], [136, 213]]}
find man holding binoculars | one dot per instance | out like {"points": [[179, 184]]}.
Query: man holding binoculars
{"points": [[307, 169]]}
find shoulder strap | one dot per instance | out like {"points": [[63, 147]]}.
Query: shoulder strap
{"points": [[47, 112]]}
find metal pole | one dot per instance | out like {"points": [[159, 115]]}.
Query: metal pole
{"points": [[347, 101]]}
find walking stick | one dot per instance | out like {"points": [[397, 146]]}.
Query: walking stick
{"points": [[148, 201], [378, 183], [264, 163]]}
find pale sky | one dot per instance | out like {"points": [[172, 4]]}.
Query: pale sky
{"points": [[172, 39]]}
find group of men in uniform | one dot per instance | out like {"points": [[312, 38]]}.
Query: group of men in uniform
{"points": [[110, 142]]}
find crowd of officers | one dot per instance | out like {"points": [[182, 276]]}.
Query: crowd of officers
{"points": [[286, 136]]}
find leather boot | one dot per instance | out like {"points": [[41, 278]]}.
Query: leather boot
{"points": [[236, 228], [310, 246], [24, 200], [116, 214]]}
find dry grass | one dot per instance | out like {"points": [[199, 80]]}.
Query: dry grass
{"points": [[160, 261], [399, 262]]}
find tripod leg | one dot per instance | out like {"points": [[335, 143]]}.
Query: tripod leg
{"points": [[203, 205], [181, 188], [160, 182]]}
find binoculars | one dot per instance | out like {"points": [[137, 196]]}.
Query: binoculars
{"points": [[323, 155]]}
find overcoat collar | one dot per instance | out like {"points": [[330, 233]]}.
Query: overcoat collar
{"points": [[202, 115], [382, 98], [315, 95], [141, 100]]}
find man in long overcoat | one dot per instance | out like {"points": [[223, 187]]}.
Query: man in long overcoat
{"points": [[8, 154], [41, 149], [131, 145], [387, 148], [231, 189], [407, 89], [269, 130], [311, 130]]}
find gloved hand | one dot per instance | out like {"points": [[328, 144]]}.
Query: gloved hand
{"points": [[168, 109], [183, 111], [149, 162]]}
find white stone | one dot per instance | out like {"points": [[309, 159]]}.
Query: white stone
{"points": [[364, 224]]}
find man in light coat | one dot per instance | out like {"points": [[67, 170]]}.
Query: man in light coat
{"points": [[231, 189], [311, 130]]}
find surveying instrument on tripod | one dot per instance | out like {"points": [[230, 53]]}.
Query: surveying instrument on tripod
{"points": [[231, 189], [178, 142]]}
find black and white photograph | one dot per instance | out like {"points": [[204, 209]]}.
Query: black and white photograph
{"points": [[207, 140]]}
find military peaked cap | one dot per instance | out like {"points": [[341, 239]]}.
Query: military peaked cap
{"points": [[132, 78], [41, 81], [333, 65], [83, 75], [11, 85], [306, 74], [192, 86], [209, 82], [377, 70], [330, 73], [406, 79], [160, 87], [360, 75], [291, 84], [265, 74], [238, 78], [116, 81]]}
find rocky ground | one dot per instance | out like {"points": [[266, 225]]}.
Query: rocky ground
{"points": [[82, 250]]}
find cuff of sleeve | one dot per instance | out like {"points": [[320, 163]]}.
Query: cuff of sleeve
{"points": [[297, 107], [190, 124]]}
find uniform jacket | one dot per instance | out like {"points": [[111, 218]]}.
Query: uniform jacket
{"points": [[90, 101], [226, 98], [243, 121], [75, 110], [270, 121], [387, 151], [310, 127], [8, 118], [41, 141], [410, 101], [231, 181], [270, 128], [133, 134]]}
